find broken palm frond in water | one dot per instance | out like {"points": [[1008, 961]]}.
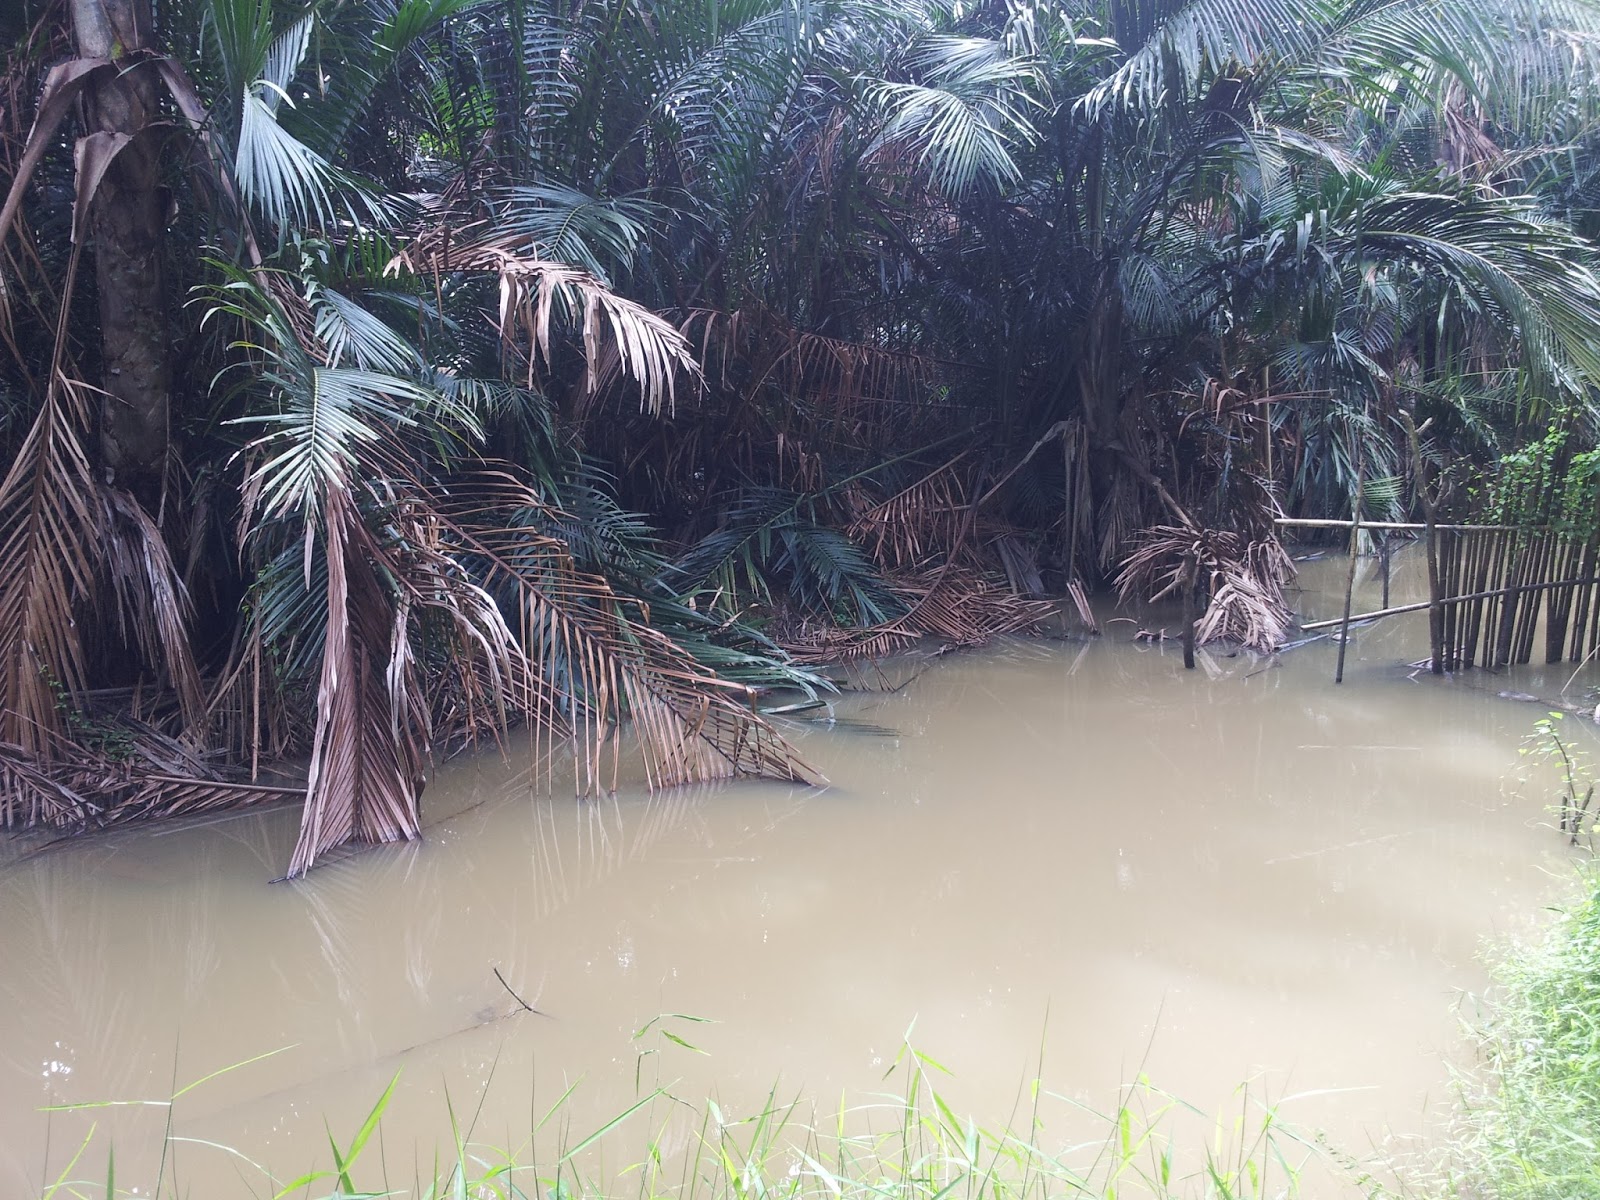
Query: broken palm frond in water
{"points": [[573, 661], [1240, 582], [135, 772], [957, 605]]}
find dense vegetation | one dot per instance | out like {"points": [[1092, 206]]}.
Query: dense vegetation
{"points": [[383, 373], [1529, 1134]]}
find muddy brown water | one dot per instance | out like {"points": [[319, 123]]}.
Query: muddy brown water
{"points": [[1240, 873]]}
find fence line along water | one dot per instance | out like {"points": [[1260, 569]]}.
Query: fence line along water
{"points": [[1489, 588]]}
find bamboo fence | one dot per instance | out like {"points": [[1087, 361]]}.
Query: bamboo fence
{"points": [[1498, 587]]}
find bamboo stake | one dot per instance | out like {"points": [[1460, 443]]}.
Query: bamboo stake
{"points": [[1472, 547], [1559, 605], [1533, 602], [1499, 554], [1532, 573], [1191, 568], [1383, 566], [1506, 628], [1487, 544], [1594, 612], [1350, 577], [1580, 616], [1430, 512], [1592, 550], [1449, 584], [1472, 576]]}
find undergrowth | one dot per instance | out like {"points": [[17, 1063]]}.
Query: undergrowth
{"points": [[1533, 1131], [906, 1143]]}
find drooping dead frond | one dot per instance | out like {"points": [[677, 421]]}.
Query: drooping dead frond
{"points": [[49, 531], [368, 748], [1080, 600], [1242, 581], [117, 770], [158, 796], [1247, 603], [35, 793], [917, 521], [576, 661], [619, 336], [869, 393], [152, 603]]}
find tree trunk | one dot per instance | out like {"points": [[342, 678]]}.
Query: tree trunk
{"points": [[127, 228]]}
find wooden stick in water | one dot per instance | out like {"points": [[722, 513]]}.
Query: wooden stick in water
{"points": [[1350, 577]]}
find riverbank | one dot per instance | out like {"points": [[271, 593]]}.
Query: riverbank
{"points": [[1526, 1129], [1530, 1122], [902, 1142]]}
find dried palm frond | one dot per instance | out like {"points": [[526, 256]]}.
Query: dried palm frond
{"points": [[113, 771], [1080, 600], [870, 392], [955, 604], [1243, 581], [152, 605], [917, 521], [367, 751], [49, 535], [37, 793], [1247, 603], [620, 337]]}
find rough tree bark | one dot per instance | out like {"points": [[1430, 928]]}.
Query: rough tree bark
{"points": [[127, 229]]}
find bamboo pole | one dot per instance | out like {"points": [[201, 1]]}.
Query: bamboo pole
{"points": [[1549, 568], [1355, 556], [1594, 620], [1487, 619], [1430, 512], [1449, 584], [1558, 607], [1383, 565], [1482, 551], [1421, 605], [1406, 526], [1191, 571], [1463, 584], [1580, 615], [1506, 626], [1529, 603]]}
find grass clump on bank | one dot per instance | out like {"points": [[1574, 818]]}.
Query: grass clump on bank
{"points": [[1534, 1133], [902, 1144]]}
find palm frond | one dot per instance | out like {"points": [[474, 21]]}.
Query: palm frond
{"points": [[561, 224], [48, 538], [964, 116], [620, 337]]}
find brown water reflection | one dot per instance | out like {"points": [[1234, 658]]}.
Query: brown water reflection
{"points": [[1238, 872]]}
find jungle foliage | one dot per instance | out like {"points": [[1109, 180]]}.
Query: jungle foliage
{"points": [[384, 374]]}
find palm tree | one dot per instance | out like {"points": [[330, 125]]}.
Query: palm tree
{"points": [[573, 364], [356, 430]]}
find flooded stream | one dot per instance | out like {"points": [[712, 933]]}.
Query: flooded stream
{"points": [[1238, 873]]}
